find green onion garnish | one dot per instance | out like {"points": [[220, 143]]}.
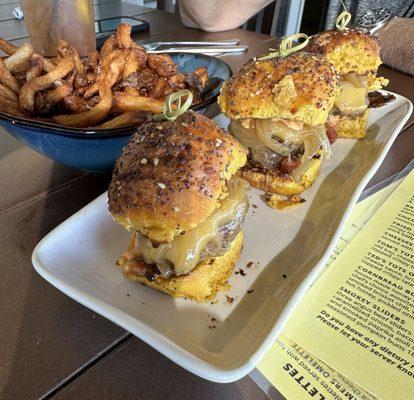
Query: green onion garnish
{"points": [[168, 113], [342, 20], [286, 46]]}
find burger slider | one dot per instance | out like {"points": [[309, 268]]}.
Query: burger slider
{"points": [[355, 56], [174, 188], [278, 105]]}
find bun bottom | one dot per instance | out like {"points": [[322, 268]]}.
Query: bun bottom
{"points": [[202, 283], [352, 127], [281, 184]]}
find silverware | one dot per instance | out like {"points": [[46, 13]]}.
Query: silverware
{"points": [[375, 19], [203, 50], [155, 45]]}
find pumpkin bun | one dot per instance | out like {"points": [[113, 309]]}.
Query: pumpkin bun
{"points": [[355, 55], [278, 107], [300, 87], [172, 175], [174, 188]]}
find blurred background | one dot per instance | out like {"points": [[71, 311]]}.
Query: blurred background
{"points": [[285, 17]]}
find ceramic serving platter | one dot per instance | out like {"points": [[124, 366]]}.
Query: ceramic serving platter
{"points": [[283, 253]]}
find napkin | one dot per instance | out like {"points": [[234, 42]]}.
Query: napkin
{"points": [[397, 44]]}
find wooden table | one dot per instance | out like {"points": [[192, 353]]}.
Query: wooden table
{"points": [[52, 346]]}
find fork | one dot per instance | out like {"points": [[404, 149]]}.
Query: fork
{"points": [[206, 47]]}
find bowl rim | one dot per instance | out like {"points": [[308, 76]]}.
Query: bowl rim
{"points": [[91, 133]]}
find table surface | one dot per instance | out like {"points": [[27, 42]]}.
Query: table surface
{"points": [[52, 346]]}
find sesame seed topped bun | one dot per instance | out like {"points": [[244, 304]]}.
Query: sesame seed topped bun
{"points": [[299, 87], [172, 175], [349, 50], [355, 55]]}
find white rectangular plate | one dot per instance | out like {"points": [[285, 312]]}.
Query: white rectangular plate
{"points": [[288, 250]]}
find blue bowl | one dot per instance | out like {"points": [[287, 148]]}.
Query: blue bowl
{"points": [[97, 150]]}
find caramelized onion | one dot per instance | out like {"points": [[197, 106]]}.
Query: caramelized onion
{"points": [[320, 132], [258, 150], [246, 136], [297, 173], [275, 136], [270, 140], [281, 131], [314, 139]]}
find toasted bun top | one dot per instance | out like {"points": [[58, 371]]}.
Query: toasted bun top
{"points": [[300, 87], [348, 50], [172, 175]]}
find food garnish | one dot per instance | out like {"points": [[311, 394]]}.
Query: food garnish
{"points": [[286, 46], [170, 112]]}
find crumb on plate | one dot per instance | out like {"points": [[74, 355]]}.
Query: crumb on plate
{"points": [[280, 202]]}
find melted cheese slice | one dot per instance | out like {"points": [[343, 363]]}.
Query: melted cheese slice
{"points": [[187, 250], [352, 97]]}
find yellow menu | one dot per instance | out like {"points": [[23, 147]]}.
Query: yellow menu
{"points": [[357, 321], [299, 375]]}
